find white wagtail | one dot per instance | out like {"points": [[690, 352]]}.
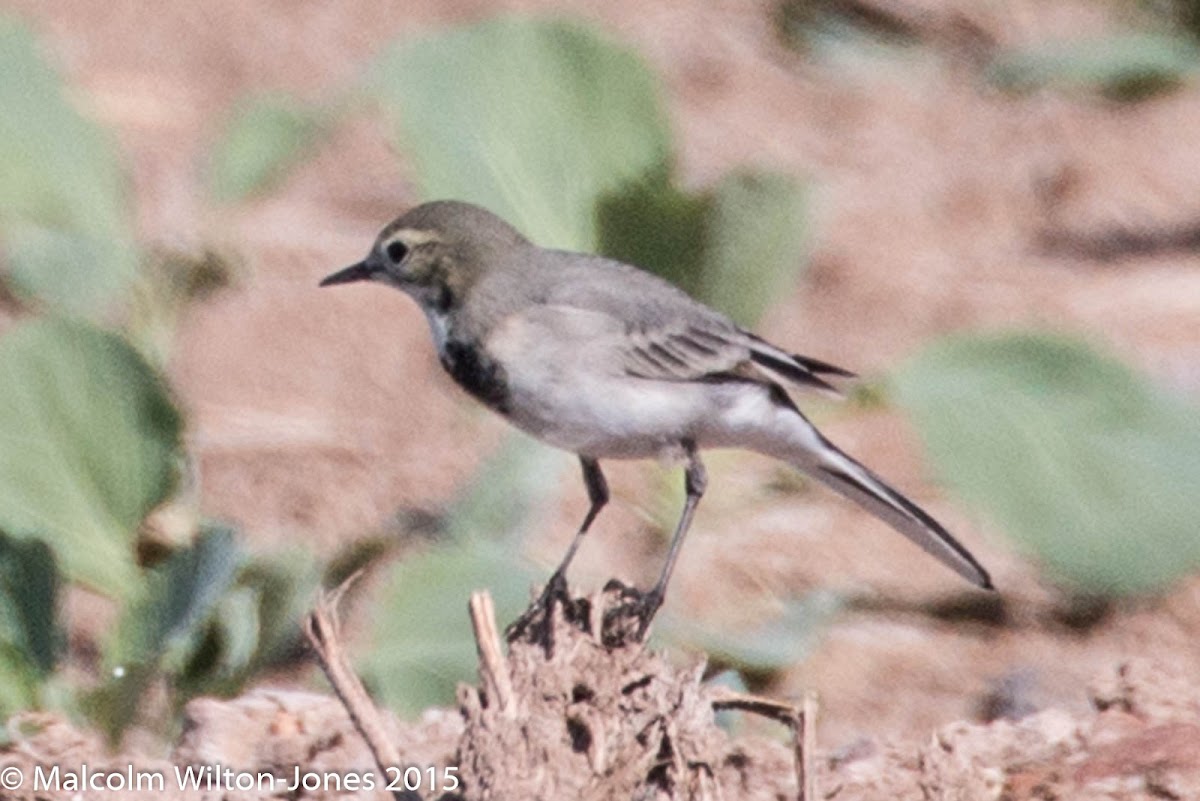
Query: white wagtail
{"points": [[610, 362]]}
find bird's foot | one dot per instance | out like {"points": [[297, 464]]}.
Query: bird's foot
{"points": [[536, 624], [630, 619]]}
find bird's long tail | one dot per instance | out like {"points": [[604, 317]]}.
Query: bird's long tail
{"points": [[824, 461]]}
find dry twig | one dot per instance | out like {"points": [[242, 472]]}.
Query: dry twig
{"points": [[323, 630], [493, 667], [802, 722]]}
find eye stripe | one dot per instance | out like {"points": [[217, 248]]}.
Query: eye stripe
{"points": [[410, 236]]}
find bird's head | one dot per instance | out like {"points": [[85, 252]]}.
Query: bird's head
{"points": [[435, 252]]}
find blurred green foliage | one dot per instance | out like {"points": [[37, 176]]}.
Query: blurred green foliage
{"points": [[1152, 49], [64, 219], [564, 134], [760, 651], [423, 645], [737, 247], [162, 625], [91, 445], [533, 119], [31, 638], [206, 620], [806, 25], [91, 441], [1187, 17], [756, 241], [265, 136], [1076, 457], [1182, 16], [1123, 67]]}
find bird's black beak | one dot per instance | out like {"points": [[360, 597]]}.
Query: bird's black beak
{"points": [[355, 272]]}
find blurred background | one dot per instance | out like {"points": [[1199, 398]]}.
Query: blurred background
{"points": [[990, 211]]}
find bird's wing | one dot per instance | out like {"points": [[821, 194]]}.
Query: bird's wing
{"points": [[668, 335], [690, 350], [792, 367], [680, 350]]}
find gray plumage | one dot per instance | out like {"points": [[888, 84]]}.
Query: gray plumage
{"points": [[609, 361]]}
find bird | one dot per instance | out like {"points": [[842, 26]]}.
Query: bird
{"points": [[608, 361]]}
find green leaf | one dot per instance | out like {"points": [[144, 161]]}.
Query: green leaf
{"points": [[267, 134], [737, 248], [207, 621], [237, 632], [1124, 67], [178, 597], [425, 645], [819, 25], [657, 226], [64, 219], [20, 684], [507, 492], [1077, 458], [89, 444], [162, 630], [533, 119], [756, 243], [254, 625], [29, 591], [284, 586], [776, 645], [31, 637]]}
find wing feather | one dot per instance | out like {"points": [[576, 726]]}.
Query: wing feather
{"points": [[684, 352], [671, 336]]}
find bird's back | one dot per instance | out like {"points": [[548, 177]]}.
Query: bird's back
{"points": [[639, 298]]}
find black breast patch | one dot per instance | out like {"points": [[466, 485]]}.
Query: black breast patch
{"points": [[478, 374]]}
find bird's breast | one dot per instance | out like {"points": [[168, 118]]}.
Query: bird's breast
{"points": [[474, 370]]}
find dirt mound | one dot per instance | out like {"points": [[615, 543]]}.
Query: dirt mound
{"points": [[586, 720]]}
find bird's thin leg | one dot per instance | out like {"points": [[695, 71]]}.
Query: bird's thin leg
{"points": [[695, 480], [556, 586], [597, 489]]}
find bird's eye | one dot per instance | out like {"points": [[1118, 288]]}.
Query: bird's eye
{"points": [[396, 251]]}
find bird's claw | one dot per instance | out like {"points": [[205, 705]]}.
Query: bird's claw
{"points": [[626, 622], [629, 620], [538, 620]]}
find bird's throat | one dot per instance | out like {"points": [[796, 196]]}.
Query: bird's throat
{"points": [[476, 372], [439, 328]]}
